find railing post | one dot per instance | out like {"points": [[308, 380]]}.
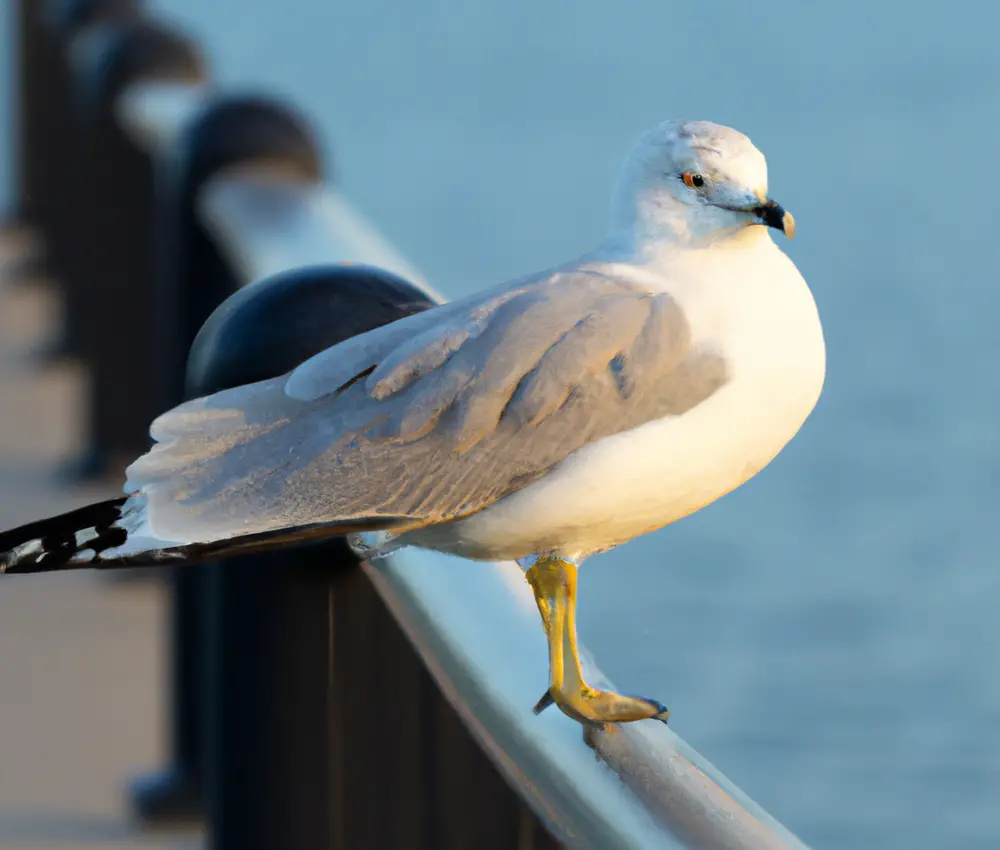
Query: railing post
{"points": [[34, 102], [43, 104], [325, 730], [193, 280], [118, 261], [271, 625], [228, 132], [53, 144]]}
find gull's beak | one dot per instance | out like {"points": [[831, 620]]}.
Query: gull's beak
{"points": [[774, 215]]}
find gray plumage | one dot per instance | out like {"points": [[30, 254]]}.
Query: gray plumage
{"points": [[429, 419]]}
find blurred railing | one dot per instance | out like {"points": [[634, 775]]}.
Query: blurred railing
{"points": [[317, 702]]}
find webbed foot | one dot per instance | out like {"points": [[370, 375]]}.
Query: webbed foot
{"points": [[553, 580]]}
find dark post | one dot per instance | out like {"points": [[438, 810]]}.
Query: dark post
{"points": [[326, 732], [53, 149], [118, 311], [43, 101], [193, 279], [34, 100]]}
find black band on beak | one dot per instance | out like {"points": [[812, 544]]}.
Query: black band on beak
{"points": [[772, 214]]}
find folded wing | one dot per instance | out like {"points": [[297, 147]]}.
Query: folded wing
{"points": [[428, 419]]}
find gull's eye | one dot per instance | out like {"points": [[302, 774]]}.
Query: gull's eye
{"points": [[695, 181]]}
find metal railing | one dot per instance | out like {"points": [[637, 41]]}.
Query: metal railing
{"points": [[314, 724]]}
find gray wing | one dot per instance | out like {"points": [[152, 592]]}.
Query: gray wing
{"points": [[428, 419]]}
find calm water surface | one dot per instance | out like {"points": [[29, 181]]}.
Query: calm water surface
{"points": [[827, 633]]}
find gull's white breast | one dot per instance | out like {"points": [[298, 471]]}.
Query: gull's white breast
{"points": [[753, 306]]}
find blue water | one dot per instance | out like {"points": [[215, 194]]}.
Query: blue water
{"points": [[826, 634]]}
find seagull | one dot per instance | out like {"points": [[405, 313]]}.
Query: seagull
{"points": [[544, 421]]}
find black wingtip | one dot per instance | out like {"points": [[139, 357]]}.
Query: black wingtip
{"points": [[81, 539], [52, 544]]}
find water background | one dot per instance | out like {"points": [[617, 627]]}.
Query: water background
{"points": [[826, 634]]}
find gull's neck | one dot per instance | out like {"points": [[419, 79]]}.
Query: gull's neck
{"points": [[657, 248], [653, 228]]}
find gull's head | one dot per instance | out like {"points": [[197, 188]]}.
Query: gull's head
{"points": [[695, 182]]}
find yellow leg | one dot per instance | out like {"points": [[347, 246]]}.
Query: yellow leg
{"points": [[553, 581]]}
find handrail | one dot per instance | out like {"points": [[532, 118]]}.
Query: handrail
{"points": [[474, 625]]}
